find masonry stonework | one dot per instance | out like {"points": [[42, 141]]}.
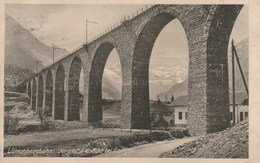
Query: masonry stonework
{"points": [[40, 92], [207, 30], [59, 99], [74, 94]]}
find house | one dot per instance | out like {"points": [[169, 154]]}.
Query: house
{"points": [[159, 121], [180, 106], [180, 111], [241, 113], [241, 107]]}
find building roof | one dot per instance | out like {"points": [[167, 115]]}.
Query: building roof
{"points": [[183, 100], [239, 97], [180, 101]]}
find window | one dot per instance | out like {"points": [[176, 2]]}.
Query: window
{"points": [[246, 114], [180, 115], [231, 115], [186, 115], [241, 116]]}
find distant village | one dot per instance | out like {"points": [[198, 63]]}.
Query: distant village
{"points": [[174, 112]]}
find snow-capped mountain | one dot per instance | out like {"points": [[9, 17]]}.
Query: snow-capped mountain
{"points": [[167, 81], [22, 48], [166, 75], [242, 48], [161, 78]]}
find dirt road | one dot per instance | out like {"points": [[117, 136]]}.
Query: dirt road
{"points": [[149, 150]]}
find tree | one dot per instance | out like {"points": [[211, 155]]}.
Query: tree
{"points": [[10, 123], [43, 116], [166, 98], [15, 74], [172, 98]]}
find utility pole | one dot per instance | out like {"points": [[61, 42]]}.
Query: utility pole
{"points": [[53, 48], [86, 31], [87, 21], [36, 66], [240, 68], [234, 54], [233, 85], [52, 54]]}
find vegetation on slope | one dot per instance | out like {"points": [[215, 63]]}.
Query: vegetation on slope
{"points": [[15, 74], [230, 143]]}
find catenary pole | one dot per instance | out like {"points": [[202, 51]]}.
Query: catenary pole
{"points": [[233, 86]]}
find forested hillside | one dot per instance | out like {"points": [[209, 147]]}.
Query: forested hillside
{"points": [[15, 74]]}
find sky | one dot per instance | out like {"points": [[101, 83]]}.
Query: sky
{"points": [[64, 25]]}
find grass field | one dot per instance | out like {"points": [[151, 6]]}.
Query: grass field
{"points": [[72, 135], [78, 143], [58, 139]]}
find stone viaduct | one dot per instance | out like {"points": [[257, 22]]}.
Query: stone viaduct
{"points": [[207, 28]]}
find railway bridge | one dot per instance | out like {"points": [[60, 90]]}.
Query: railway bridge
{"points": [[207, 29]]}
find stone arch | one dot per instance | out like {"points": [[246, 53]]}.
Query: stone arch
{"points": [[140, 114], [29, 89], [49, 93], [40, 92], [24, 88], [75, 99], [34, 93], [95, 81], [220, 29], [21, 88], [59, 93]]}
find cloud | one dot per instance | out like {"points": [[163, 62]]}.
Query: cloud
{"points": [[64, 25]]}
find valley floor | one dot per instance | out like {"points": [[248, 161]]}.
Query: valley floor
{"points": [[230, 143], [58, 139]]}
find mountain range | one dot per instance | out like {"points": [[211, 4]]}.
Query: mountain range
{"points": [[162, 79], [167, 81], [23, 49], [242, 48]]}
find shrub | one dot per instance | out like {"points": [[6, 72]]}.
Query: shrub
{"points": [[126, 141], [186, 132], [46, 124], [105, 143], [139, 136], [180, 133], [154, 135], [110, 125], [115, 144], [6, 123], [43, 116], [161, 135], [10, 123], [28, 128], [177, 134], [97, 146], [105, 124], [99, 143]]}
